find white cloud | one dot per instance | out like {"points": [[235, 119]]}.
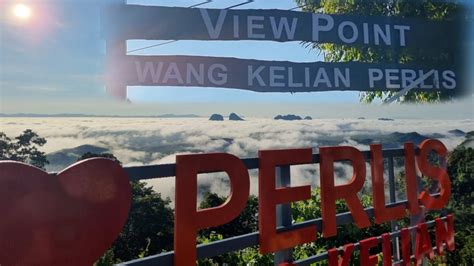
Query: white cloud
{"points": [[144, 141]]}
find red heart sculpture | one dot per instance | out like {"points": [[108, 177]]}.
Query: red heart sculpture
{"points": [[70, 218]]}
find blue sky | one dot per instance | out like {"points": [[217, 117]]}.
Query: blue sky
{"points": [[54, 62]]}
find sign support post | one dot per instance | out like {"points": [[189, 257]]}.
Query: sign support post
{"points": [[417, 218], [116, 50]]}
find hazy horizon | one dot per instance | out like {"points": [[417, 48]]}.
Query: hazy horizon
{"points": [[449, 110]]}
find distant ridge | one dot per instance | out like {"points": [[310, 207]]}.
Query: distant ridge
{"points": [[288, 117], [235, 117], [393, 140], [63, 158], [86, 115], [216, 117]]}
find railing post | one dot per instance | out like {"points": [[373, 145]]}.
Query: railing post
{"points": [[418, 218], [393, 199], [283, 212]]}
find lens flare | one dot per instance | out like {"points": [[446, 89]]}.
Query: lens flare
{"points": [[22, 11]]}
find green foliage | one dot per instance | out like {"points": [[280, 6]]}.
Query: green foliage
{"points": [[149, 228], [461, 171], [24, 148], [460, 166], [107, 259], [245, 223], [301, 211], [247, 256], [311, 209], [428, 9]]}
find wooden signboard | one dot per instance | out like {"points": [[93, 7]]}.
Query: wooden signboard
{"points": [[125, 22], [177, 23], [277, 76]]}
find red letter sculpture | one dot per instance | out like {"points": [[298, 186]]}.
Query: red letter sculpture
{"points": [[422, 244], [188, 220], [382, 214], [269, 196], [70, 218], [434, 172], [410, 179], [330, 193], [387, 249], [444, 234], [365, 257], [406, 246], [333, 256]]}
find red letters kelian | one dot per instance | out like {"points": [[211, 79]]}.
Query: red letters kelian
{"points": [[423, 245], [333, 256], [387, 249], [365, 257], [406, 247], [444, 234]]}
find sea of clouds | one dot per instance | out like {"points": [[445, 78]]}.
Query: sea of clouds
{"points": [[145, 141]]}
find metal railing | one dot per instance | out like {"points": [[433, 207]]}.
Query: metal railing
{"points": [[284, 219]]}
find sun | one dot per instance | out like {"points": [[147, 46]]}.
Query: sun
{"points": [[22, 11]]}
